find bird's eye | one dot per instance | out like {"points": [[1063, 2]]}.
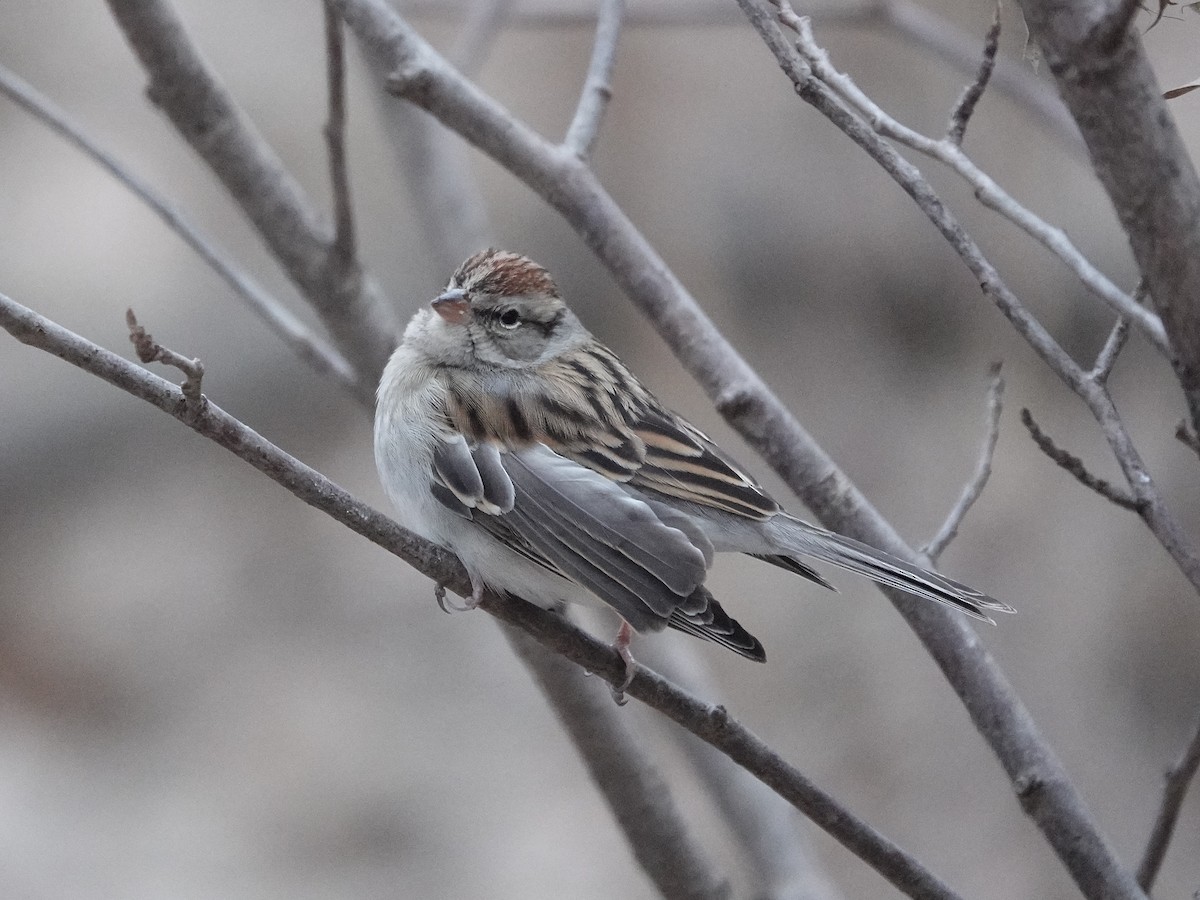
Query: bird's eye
{"points": [[510, 318]]}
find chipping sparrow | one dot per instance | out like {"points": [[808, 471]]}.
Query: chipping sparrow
{"points": [[508, 434]]}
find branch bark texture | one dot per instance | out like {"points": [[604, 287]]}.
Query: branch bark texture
{"points": [[183, 86], [1105, 77], [710, 723], [417, 73]]}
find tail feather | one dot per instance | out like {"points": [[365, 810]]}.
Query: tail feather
{"points": [[796, 536], [702, 616], [796, 566]]}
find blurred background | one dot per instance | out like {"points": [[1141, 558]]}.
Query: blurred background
{"points": [[209, 689]]}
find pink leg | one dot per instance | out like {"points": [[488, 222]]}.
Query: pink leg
{"points": [[621, 645], [476, 591]]}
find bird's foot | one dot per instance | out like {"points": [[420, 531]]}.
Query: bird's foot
{"points": [[621, 645], [449, 606]]}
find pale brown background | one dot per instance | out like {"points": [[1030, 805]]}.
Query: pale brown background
{"points": [[208, 689]]}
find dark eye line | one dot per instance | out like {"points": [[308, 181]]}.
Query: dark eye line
{"points": [[498, 314]]}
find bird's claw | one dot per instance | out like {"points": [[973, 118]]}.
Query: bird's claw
{"points": [[621, 645], [449, 606]]}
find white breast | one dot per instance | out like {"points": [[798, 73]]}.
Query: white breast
{"points": [[408, 422]]}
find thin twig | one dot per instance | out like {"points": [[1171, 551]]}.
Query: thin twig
{"points": [[633, 786], [811, 74], [931, 32], [916, 23], [181, 83], [447, 196], [311, 348], [149, 350], [974, 91], [988, 192], [711, 724], [343, 251], [415, 71], [1042, 785], [597, 87], [1175, 787], [1134, 143], [1107, 357], [983, 469], [1187, 437], [1073, 464]]}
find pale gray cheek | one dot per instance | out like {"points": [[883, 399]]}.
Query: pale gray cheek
{"points": [[524, 344]]}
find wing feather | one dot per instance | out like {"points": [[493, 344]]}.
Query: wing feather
{"points": [[596, 514]]}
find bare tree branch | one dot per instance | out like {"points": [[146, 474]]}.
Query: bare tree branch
{"points": [[309, 347], [965, 107], [452, 204], [930, 31], [917, 24], [343, 256], [1099, 63], [983, 469], [1178, 778], [419, 74], [1107, 357], [986, 190], [711, 724], [1073, 464], [597, 88], [807, 74], [1032, 766], [638, 796], [363, 325]]}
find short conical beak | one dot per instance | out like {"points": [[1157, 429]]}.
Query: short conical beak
{"points": [[453, 306]]}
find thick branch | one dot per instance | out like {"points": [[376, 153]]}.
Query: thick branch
{"points": [[1091, 389], [420, 75], [1108, 83], [711, 724], [448, 198], [202, 110]]}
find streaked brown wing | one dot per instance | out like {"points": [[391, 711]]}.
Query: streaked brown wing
{"points": [[682, 462], [598, 414]]}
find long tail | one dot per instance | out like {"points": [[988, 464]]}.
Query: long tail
{"points": [[794, 536]]}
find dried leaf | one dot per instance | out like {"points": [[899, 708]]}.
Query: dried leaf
{"points": [[1181, 90]]}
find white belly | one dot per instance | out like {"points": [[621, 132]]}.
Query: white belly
{"points": [[406, 422]]}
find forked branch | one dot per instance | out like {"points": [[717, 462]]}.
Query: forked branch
{"points": [[712, 724]]}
